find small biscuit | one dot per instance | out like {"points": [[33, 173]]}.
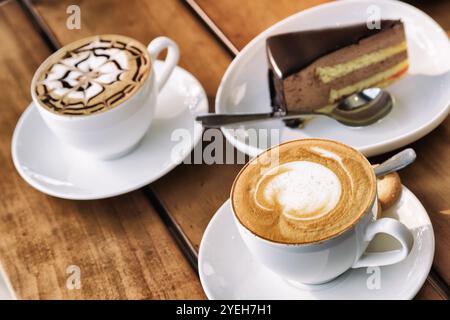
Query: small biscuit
{"points": [[389, 189]]}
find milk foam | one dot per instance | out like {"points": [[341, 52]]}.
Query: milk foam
{"points": [[303, 190]]}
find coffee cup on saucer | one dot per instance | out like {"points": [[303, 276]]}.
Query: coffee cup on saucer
{"points": [[306, 209], [98, 94]]}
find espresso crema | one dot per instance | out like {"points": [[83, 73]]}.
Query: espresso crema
{"points": [[303, 191], [91, 75]]}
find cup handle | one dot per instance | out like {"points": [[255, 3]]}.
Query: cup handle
{"points": [[394, 228], [173, 54]]}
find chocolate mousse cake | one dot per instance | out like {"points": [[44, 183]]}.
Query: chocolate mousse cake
{"points": [[312, 69]]}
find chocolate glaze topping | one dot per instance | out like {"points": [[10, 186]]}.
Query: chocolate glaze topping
{"points": [[290, 52]]}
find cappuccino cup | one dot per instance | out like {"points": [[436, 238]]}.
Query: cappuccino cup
{"points": [[307, 209], [98, 94]]}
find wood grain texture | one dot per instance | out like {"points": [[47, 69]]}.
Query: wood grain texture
{"points": [[193, 193], [439, 10], [254, 16], [241, 20], [429, 179], [428, 292], [121, 245]]}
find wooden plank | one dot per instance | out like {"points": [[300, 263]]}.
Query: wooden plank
{"points": [[428, 292], [438, 10], [254, 16], [193, 193], [121, 246], [429, 179], [241, 21]]}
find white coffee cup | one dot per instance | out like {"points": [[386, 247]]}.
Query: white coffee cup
{"points": [[323, 261], [114, 132]]}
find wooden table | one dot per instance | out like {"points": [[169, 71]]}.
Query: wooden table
{"points": [[143, 245]]}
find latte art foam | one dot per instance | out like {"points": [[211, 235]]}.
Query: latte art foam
{"points": [[320, 190], [316, 189], [92, 75]]}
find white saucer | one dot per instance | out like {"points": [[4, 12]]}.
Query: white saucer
{"points": [[59, 171], [422, 97], [228, 271]]}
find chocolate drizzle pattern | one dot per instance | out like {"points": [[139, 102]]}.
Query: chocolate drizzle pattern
{"points": [[92, 75]]}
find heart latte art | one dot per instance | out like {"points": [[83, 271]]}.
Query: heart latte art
{"points": [[279, 187], [91, 75], [312, 190]]}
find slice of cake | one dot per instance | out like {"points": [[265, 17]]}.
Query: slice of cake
{"points": [[312, 69]]}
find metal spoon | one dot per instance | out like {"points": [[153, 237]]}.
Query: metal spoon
{"points": [[359, 109], [395, 163]]}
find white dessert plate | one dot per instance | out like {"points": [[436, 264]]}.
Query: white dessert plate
{"points": [[228, 271], [57, 170], [422, 97]]}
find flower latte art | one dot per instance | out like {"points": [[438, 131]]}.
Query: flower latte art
{"points": [[313, 190], [91, 75]]}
